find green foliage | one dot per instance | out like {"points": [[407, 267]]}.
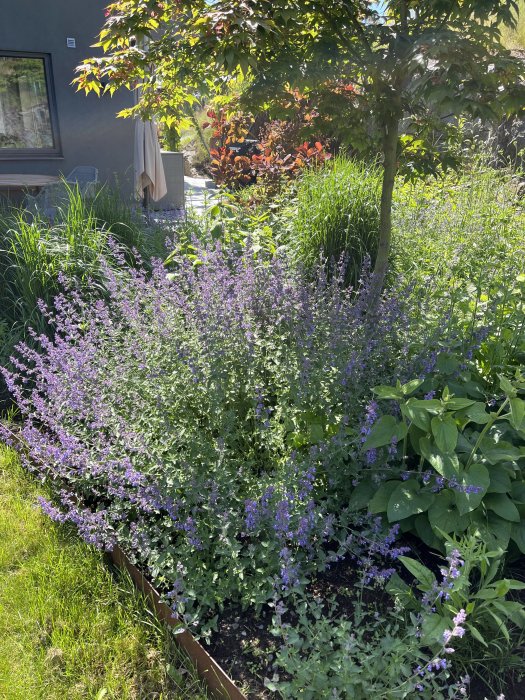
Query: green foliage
{"points": [[459, 240], [494, 622], [459, 464], [35, 254], [374, 656], [335, 214], [69, 628]]}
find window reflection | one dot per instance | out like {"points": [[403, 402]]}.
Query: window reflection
{"points": [[25, 120]]}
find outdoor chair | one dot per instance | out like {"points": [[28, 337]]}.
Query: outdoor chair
{"points": [[86, 177], [50, 197]]}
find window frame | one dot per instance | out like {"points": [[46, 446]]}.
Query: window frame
{"points": [[38, 153]]}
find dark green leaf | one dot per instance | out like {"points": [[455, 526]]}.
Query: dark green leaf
{"points": [[477, 477], [382, 432], [445, 433], [517, 409], [501, 451], [475, 413], [406, 500], [418, 415], [419, 571], [426, 533], [499, 480], [501, 504], [410, 387], [362, 494], [446, 465], [517, 533], [379, 502], [444, 514]]}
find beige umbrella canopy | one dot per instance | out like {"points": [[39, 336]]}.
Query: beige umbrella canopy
{"points": [[150, 181]]}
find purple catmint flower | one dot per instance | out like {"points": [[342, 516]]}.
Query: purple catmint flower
{"points": [[252, 515]]}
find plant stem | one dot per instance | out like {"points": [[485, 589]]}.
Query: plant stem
{"points": [[484, 432]]}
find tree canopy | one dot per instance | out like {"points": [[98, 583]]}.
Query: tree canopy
{"points": [[389, 75]]}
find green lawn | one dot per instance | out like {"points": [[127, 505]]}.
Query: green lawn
{"points": [[68, 629]]}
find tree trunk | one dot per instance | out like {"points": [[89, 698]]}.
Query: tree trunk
{"points": [[390, 142]]}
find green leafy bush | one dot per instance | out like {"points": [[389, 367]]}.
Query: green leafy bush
{"points": [[459, 462]]}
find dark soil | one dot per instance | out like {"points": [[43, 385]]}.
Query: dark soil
{"points": [[245, 648]]}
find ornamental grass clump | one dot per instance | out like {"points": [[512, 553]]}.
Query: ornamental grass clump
{"points": [[199, 418], [336, 213]]}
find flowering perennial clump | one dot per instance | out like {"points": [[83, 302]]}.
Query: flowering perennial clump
{"points": [[202, 417]]}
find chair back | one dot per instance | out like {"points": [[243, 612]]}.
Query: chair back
{"points": [[85, 176]]}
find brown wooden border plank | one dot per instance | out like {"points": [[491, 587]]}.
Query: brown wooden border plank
{"points": [[219, 683]]}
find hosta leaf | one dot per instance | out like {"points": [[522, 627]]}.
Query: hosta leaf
{"points": [[382, 432], [379, 502], [425, 532], [477, 478], [502, 505], [517, 533], [444, 514], [517, 491], [445, 433], [494, 531], [408, 499], [501, 451], [499, 480], [362, 494]]}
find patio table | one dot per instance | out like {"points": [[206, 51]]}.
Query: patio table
{"points": [[26, 181]]}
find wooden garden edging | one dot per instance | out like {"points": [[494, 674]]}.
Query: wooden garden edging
{"points": [[220, 685]]}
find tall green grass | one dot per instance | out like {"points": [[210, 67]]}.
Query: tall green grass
{"points": [[335, 213]]}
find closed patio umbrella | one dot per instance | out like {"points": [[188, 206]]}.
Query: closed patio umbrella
{"points": [[150, 182]]}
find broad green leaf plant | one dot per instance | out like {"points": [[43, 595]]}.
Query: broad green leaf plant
{"points": [[459, 466]]}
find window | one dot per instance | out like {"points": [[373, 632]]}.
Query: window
{"points": [[28, 126]]}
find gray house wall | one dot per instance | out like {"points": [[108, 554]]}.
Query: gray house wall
{"points": [[90, 133]]}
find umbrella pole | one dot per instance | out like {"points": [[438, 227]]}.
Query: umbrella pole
{"points": [[145, 202]]}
